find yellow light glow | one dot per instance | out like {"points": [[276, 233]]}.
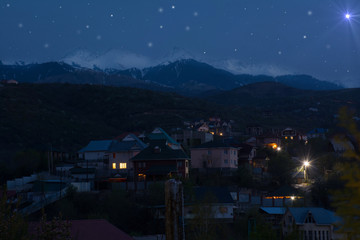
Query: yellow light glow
{"points": [[122, 165], [221, 134], [306, 163], [285, 137], [114, 165], [212, 133], [292, 198], [292, 137]]}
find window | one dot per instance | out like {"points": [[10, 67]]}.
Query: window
{"points": [[323, 233], [142, 164], [327, 235], [114, 165], [226, 161], [114, 155], [122, 165], [179, 164], [290, 219], [315, 235], [209, 152], [186, 164], [226, 151], [305, 236], [310, 235]]}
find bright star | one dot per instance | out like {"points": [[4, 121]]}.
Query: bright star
{"points": [[348, 16]]}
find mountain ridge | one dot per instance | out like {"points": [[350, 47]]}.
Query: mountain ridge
{"points": [[186, 76]]}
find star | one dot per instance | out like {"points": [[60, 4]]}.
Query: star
{"points": [[187, 28], [348, 16], [160, 10], [173, 7], [150, 44]]}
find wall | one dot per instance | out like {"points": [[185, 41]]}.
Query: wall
{"points": [[214, 157]]}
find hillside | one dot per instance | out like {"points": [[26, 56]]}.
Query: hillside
{"points": [[68, 116], [277, 104]]}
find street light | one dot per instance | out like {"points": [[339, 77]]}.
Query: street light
{"points": [[306, 164]]}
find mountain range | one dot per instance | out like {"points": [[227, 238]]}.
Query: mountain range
{"points": [[187, 77]]}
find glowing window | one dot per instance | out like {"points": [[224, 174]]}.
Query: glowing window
{"points": [[114, 165], [122, 165]]}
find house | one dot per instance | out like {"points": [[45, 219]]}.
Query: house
{"points": [[217, 200], [121, 152], [160, 134], [95, 154], [83, 174], [202, 127], [89, 229], [215, 155], [283, 196], [292, 134], [246, 153], [311, 222], [254, 130], [317, 133], [274, 216], [160, 160], [191, 138], [341, 144]]}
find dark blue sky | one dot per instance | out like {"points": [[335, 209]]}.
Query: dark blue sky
{"points": [[245, 36]]}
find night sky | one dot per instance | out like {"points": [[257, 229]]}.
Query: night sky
{"points": [[244, 36]]}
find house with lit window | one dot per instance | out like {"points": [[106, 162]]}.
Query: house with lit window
{"points": [[121, 152], [311, 223], [215, 155], [160, 160]]}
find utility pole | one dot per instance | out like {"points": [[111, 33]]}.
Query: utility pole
{"points": [[174, 210]]}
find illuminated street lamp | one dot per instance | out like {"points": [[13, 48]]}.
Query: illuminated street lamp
{"points": [[306, 164]]}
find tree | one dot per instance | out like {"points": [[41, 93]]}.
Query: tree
{"points": [[347, 201], [12, 225], [56, 229], [281, 167]]}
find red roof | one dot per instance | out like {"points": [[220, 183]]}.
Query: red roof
{"points": [[92, 229]]}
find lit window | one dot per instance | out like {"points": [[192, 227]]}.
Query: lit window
{"points": [[114, 165], [122, 165]]}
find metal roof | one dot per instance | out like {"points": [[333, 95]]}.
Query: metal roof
{"points": [[97, 146], [274, 210], [321, 215]]}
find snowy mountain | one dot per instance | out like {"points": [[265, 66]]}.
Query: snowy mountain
{"points": [[185, 76]]}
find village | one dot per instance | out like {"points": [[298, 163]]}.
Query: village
{"points": [[258, 176]]}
